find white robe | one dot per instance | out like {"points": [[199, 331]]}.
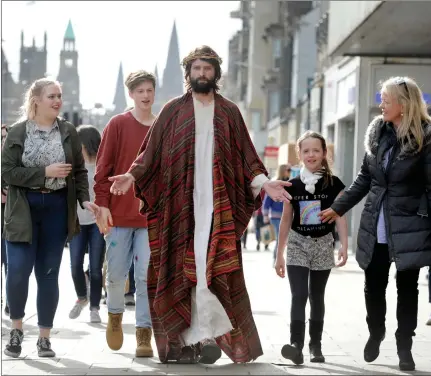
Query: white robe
{"points": [[208, 317]]}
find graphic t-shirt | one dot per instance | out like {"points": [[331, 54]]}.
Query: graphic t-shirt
{"points": [[307, 206]]}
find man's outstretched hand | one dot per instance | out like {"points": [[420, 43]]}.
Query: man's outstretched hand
{"points": [[275, 190], [121, 184]]}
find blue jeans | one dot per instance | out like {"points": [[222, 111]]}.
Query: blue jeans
{"points": [[4, 262], [122, 246], [258, 223], [3, 248], [90, 237], [132, 285], [49, 226], [276, 223]]}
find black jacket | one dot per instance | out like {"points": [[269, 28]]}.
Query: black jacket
{"points": [[404, 189]]}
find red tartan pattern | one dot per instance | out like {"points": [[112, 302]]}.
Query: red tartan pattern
{"points": [[164, 173]]}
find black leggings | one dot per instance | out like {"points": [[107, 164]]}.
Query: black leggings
{"points": [[301, 290]]}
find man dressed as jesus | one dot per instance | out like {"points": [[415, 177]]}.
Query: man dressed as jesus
{"points": [[199, 178]]}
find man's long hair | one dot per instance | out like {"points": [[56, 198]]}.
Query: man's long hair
{"points": [[207, 54]]}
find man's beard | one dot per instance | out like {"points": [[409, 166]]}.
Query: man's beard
{"points": [[203, 87]]}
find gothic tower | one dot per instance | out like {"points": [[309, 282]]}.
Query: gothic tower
{"points": [[156, 74], [172, 84], [173, 74], [120, 102], [32, 62], [10, 96], [158, 99], [69, 77]]}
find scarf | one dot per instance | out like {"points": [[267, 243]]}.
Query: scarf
{"points": [[309, 179]]}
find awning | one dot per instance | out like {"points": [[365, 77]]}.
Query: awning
{"points": [[394, 29]]}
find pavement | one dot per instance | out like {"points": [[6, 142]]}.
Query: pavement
{"points": [[81, 347]]}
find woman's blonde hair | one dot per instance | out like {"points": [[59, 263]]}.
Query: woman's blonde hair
{"points": [[281, 169], [326, 169], [408, 94], [29, 107]]}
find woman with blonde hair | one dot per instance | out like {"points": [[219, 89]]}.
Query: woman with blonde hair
{"points": [[395, 224], [43, 166]]}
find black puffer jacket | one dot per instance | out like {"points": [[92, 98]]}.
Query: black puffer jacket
{"points": [[405, 191]]}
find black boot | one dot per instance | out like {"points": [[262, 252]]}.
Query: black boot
{"points": [[404, 349], [372, 348], [315, 346], [293, 351]]}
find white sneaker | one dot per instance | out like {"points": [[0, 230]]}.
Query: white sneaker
{"points": [[95, 316], [129, 300], [77, 308]]}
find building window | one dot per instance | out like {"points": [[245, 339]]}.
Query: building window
{"points": [[274, 104], [69, 63], [256, 121], [276, 52]]}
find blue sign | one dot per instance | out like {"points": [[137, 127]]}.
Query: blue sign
{"points": [[426, 96]]}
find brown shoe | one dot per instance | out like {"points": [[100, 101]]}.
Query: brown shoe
{"points": [[143, 341], [114, 331]]}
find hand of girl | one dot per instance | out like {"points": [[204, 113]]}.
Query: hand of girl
{"points": [[342, 257], [280, 266]]}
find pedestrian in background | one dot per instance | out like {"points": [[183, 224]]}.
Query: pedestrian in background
{"points": [[89, 237], [396, 221], [42, 165], [272, 210]]}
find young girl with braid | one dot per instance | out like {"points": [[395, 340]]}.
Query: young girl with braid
{"points": [[310, 244]]}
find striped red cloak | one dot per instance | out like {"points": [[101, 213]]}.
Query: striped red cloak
{"points": [[164, 172]]}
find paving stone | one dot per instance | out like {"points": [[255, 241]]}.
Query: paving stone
{"points": [[81, 346]]}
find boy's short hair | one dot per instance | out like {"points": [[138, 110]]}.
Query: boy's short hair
{"points": [[134, 79]]}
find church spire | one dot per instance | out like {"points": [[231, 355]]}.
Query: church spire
{"points": [[120, 102], [173, 74], [156, 74], [69, 34], [69, 38], [4, 63]]}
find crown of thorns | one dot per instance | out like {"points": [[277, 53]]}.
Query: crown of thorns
{"points": [[201, 55]]}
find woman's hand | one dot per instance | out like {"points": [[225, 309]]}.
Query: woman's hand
{"points": [[58, 170], [328, 215], [91, 207], [342, 257]]}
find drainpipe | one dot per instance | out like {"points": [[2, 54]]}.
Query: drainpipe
{"points": [[322, 91]]}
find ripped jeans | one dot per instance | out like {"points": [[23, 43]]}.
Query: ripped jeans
{"points": [[49, 226], [124, 246]]}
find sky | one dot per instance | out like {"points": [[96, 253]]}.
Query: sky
{"points": [[107, 32]]}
